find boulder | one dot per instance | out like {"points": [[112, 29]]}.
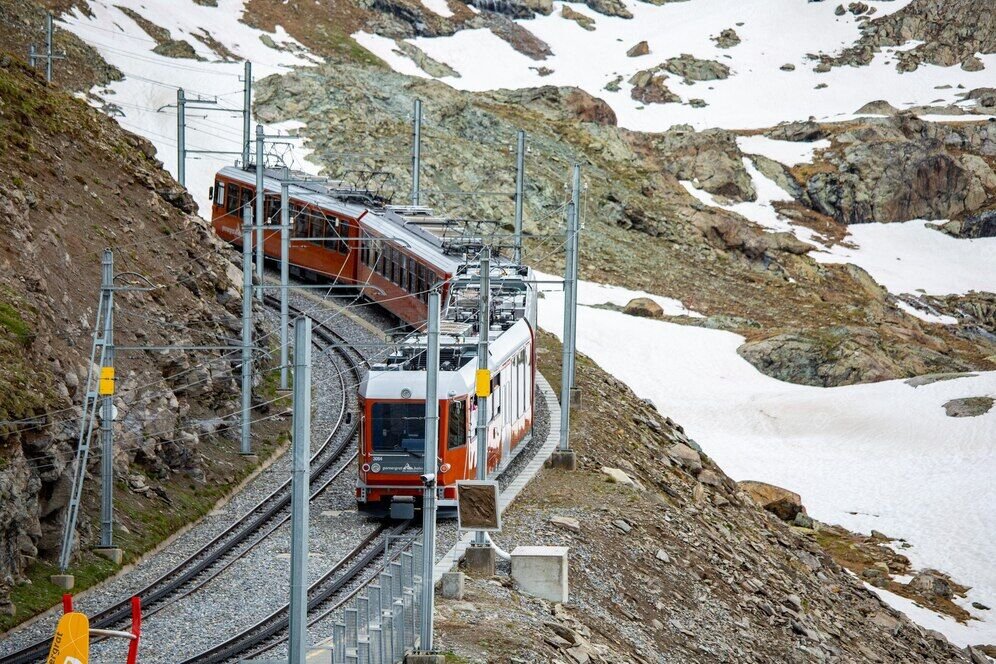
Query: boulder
{"points": [[968, 406], [643, 48], [644, 307], [728, 38], [878, 107], [566, 523], [711, 157], [586, 22], [686, 457], [692, 68], [931, 583], [781, 502], [619, 476], [649, 88]]}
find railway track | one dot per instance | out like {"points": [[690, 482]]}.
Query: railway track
{"points": [[232, 544], [325, 595]]}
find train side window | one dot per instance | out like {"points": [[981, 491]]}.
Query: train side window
{"points": [[342, 230], [247, 197], [219, 193], [231, 198], [456, 434]]}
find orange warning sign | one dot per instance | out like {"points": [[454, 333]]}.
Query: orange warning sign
{"points": [[71, 644]]}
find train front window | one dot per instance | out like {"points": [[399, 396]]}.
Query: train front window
{"points": [[398, 427], [456, 435]]}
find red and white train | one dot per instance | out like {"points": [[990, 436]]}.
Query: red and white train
{"points": [[394, 255]]}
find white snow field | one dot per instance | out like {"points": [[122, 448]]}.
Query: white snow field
{"points": [[757, 93], [147, 95], [882, 455]]}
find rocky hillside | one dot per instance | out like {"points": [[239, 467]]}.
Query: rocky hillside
{"points": [[671, 561], [805, 322], [950, 33], [75, 183]]}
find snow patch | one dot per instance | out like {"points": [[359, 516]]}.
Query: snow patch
{"points": [[909, 257], [789, 153], [942, 319], [878, 456]]}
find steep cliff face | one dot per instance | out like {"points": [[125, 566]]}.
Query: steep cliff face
{"points": [[75, 183]]}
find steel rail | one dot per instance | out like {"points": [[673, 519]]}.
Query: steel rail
{"points": [[275, 625]]}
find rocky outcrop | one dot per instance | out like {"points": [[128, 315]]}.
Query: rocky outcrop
{"points": [[843, 356], [968, 406], [586, 22], [728, 38], [877, 107], [427, 64], [797, 132], [609, 8], [562, 103], [711, 158], [694, 69], [649, 87], [980, 225], [897, 169], [950, 33]]}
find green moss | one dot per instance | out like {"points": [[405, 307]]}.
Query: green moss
{"points": [[32, 598], [344, 47], [10, 319], [453, 658]]}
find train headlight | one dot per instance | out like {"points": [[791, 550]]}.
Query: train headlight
{"points": [[375, 467], [445, 468], [406, 393], [366, 468]]}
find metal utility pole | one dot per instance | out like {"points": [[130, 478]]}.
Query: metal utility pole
{"points": [[48, 48], [246, 446], [483, 374], [416, 150], [181, 137], [300, 492], [284, 271], [50, 57], [429, 472], [106, 391], [520, 174], [246, 113], [570, 313], [260, 194], [576, 196]]}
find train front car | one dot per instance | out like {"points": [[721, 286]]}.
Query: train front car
{"points": [[392, 397]]}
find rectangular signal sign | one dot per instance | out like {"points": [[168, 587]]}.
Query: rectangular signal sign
{"points": [[106, 386], [484, 382]]}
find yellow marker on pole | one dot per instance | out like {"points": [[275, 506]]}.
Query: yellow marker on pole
{"points": [[106, 387], [484, 382], [71, 644]]}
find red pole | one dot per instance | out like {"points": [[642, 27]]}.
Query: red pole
{"points": [[136, 629], [67, 603]]}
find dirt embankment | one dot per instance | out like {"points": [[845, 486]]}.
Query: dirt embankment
{"points": [[74, 183]]}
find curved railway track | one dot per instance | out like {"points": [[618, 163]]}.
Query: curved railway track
{"points": [[325, 595], [223, 550]]}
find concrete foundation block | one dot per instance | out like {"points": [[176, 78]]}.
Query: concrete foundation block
{"points": [[113, 554], [563, 460], [64, 581], [480, 561], [424, 658], [453, 585], [541, 571]]}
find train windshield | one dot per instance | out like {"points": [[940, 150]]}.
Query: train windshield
{"points": [[398, 427]]}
